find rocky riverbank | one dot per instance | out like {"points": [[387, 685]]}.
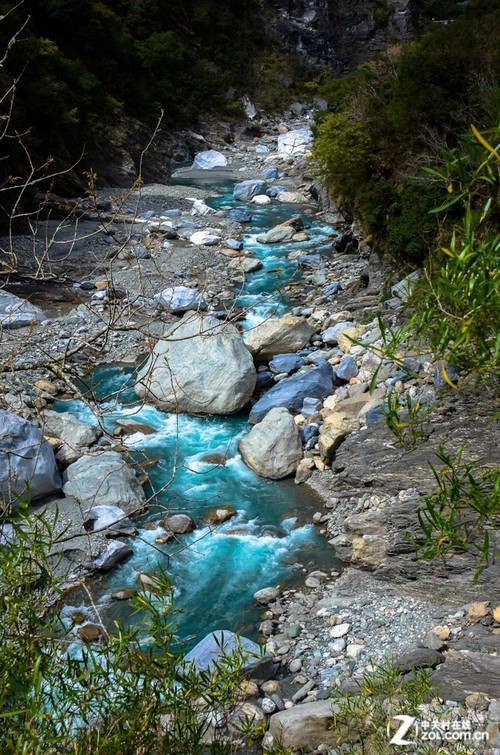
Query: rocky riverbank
{"points": [[160, 243]]}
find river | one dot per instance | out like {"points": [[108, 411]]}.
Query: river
{"points": [[271, 539]]}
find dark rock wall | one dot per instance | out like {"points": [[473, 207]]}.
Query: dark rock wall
{"points": [[340, 33]]}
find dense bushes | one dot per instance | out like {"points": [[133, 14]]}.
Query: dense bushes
{"points": [[394, 115], [77, 61]]}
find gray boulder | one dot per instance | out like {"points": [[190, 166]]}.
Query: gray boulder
{"points": [[220, 643], [178, 299], [247, 190], [273, 448], [209, 159], [282, 232], [17, 313], [104, 480], [72, 431], [179, 524], [200, 366], [205, 238], [113, 554], [305, 727], [26, 459], [291, 392], [278, 336]]}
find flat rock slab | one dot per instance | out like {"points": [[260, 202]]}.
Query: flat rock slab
{"points": [[466, 672]]}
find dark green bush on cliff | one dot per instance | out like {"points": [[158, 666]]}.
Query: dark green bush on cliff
{"points": [[393, 116]]}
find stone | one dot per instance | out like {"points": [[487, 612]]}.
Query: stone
{"points": [[291, 392], [418, 658], [115, 552], [261, 199], [101, 517], [464, 673], [268, 705], [305, 727], [477, 611], [209, 159], [404, 287], [279, 235], [271, 173], [247, 190], [347, 369], [286, 363], [26, 459], [333, 432], [330, 334], [295, 142], [179, 524], [46, 387], [239, 216], [132, 426], [204, 238], [123, 594], [267, 595], [69, 429], [348, 337], [220, 642], [273, 448], [219, 515], [89, 632], [17, 313], [245, 264], [105, 480], [339, 630], [179, 299], [184, 371], [278, 336]]}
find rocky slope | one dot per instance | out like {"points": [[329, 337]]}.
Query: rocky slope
{"points": [[340, 34]]}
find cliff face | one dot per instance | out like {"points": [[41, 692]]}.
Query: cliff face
{"points": [[340, 33]]}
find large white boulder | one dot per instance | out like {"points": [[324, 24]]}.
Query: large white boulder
{"points": [[209, 159], [200, 366], [283, 335], [26, 461], [104, 480], [178, 299], [273, 448], [295, 142]]}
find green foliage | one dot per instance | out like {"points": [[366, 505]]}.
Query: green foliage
{"points": [[361, 717], [459, 309], [129, 693], [406, 419], [391, 117], [462, 512], [341, 151]]}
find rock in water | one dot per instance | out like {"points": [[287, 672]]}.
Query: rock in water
{"points": [[104, 480], [178, 299], [280, 336], [200, 366], [209, 159], [69, 429], [247, 190], [291, 392], [26, 459], [273, 448]]}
